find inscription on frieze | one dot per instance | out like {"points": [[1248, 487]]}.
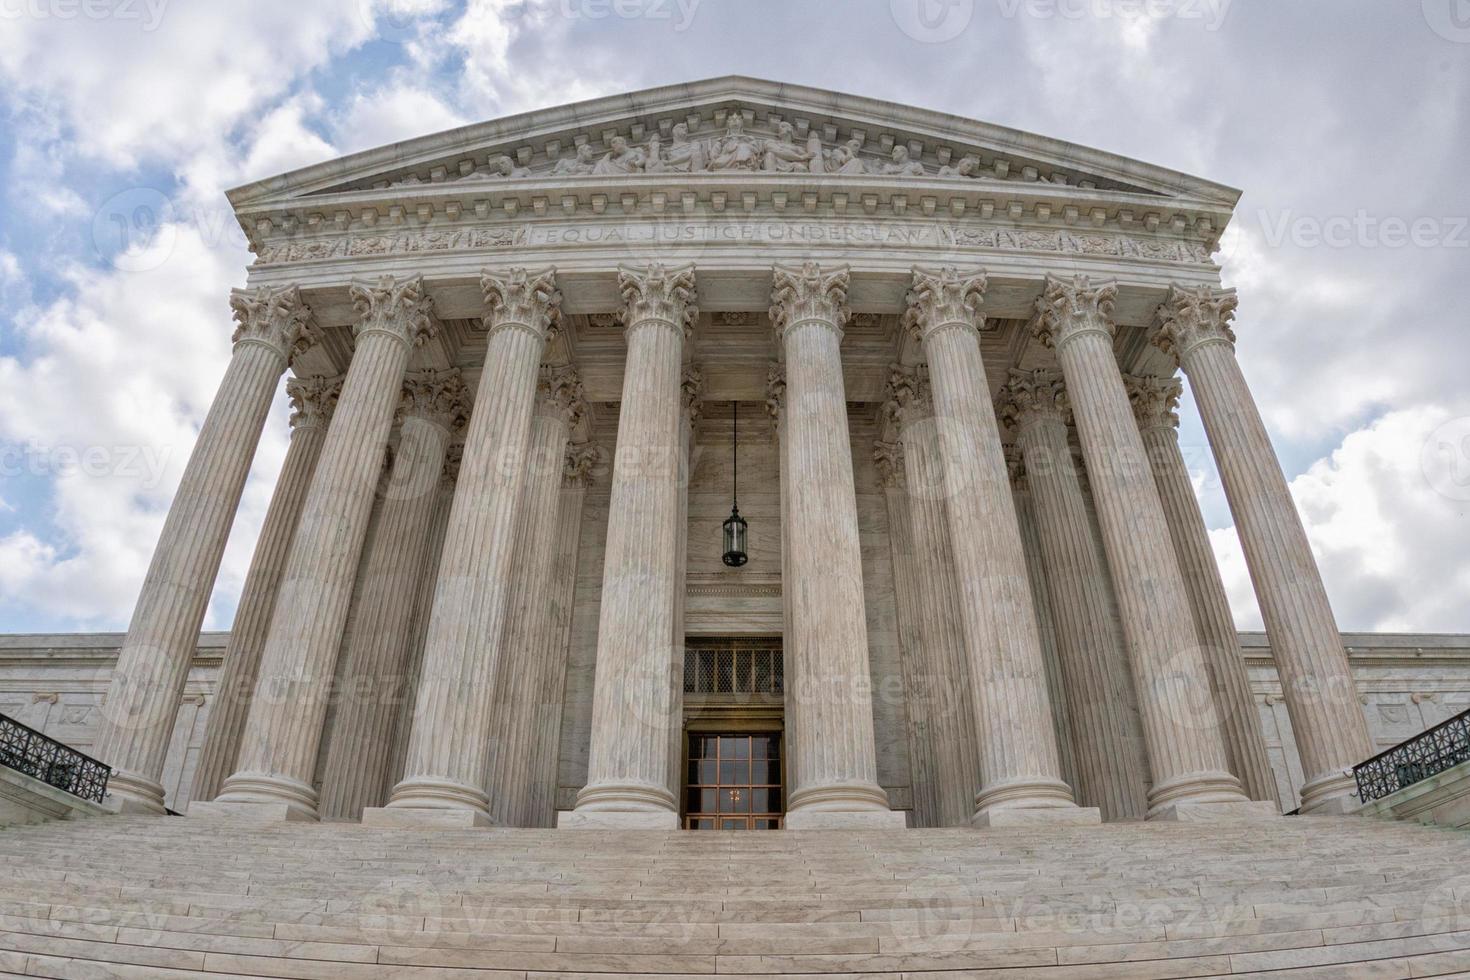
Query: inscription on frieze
{"points": [[706, 232]]}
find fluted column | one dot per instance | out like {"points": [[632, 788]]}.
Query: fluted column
{"points": [[312, 402], [1045, 622], [1317, 682], [952, 710], [278, 751], [375, 653], [1094, 674], [559, 403], [790, 650], [1155, 405], [1185, 748], [692, 407], [1019, 765], [142, 700], [921, 687], [423, 605], [837, 772], [634, 694], [556, 640], [445, 769]]}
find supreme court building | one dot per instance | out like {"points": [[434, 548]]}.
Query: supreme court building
{"points": [[532, 363]]}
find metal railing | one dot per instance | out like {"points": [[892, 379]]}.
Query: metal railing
{"points": [[27, 751], [1441, 747]]}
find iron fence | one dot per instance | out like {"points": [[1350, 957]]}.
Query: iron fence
{"points": [[1441, 747], [27, 751]]}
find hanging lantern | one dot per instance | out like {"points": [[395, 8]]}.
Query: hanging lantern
{"points": [[735, 525]]}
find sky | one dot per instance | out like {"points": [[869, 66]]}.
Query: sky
{"points": [[1345, 123]]}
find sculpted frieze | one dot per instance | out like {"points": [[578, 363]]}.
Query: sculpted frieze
{"points": [[677, 231], [733, 147]]}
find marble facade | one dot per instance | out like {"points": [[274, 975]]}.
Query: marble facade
{"points": [[951, 348]]}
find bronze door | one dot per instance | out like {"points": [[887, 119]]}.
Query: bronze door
{"points": [[734, 782]]}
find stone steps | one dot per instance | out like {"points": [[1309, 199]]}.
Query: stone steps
{"points": [[175, 898]]}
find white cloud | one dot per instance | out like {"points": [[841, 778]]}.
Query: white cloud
{"points": [[127, 95], [104, 400], [400, 111], [1391, 546], [515, 57]]}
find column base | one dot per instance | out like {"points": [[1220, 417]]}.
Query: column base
{"points": [[1208, 788], [410, 818], [1247, 812], [269, 791], [814, 819], [1049, 816], [429, 794], [256, 813], [1332, 795], [627, 797], [617, 820], [131, 793], [1029, 794]]}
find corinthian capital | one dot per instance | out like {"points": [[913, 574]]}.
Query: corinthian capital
{"points": [[559, 394], [581, 459], [313, 400], [520, 300], [889, 458], [808, 295], [273, 317], [1191, 318], [1033, 396], [1155, 401], [399, 308], [439, 397], [909, 396], [1070, 308], [942, 298], [659, 295]]}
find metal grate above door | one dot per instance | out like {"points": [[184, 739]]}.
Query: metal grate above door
{"points": [[734, 666]]}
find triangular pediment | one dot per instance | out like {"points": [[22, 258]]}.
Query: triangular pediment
{"points": [[725, 128]]}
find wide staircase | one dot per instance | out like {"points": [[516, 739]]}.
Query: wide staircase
{"points": [[170, 898]]}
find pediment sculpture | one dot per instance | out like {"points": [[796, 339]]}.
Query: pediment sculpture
{"points": [[736, 151]]}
